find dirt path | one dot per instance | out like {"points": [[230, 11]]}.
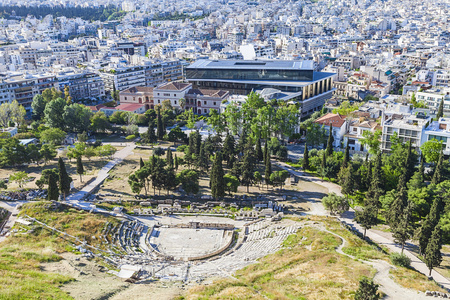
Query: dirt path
{"points": [[388, 286]]}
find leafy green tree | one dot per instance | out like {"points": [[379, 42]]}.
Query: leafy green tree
{"points": [[136, 183], [170, 181], [367, 290], [189, 180], [278, 178], [38, 107], [231, 183], [217, 182], [346, 108], [216, 121], [335, 204], [315, 135], [80, 168], [3, 185], [100, 122], [433, 256], [175, 134], [20, 178], [64, 179], [11, 113], [367, 217], [47, 152], [257, 177], [431, 150], [52, 190], [158, 175], [305, 164], [77, 117], [54, 113], [53, 136], [372, 140]]}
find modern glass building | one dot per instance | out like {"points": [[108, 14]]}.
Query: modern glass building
{"points": [[297, 80]]}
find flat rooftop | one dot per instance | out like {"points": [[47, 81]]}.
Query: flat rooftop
{"points": [[253, 64]]}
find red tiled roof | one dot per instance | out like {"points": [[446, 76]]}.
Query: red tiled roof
{"points": [[211, 93], [174, 86], [129, 106], [95, 107], [334, 119]]}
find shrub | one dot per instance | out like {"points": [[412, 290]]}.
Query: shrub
{"points": [[181, 148], [130, 137], [400, 260]]}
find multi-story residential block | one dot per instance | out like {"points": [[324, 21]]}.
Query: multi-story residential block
{"points": [[433, 98], [86, 85], [122, 78], [440, 131], [356, 129], [409, 128], [23, 87], [202, 101]]}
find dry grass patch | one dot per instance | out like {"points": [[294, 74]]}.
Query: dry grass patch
{"points": [[412, 279], [296, 272]]}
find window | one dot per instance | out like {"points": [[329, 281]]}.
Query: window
{"points": [[214, 103], [159, 101], [204, 102], [175, 102], [125, 98], [174, 95], [166, 94]]}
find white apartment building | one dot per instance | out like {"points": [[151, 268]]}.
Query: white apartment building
{"points": [[172, 91], [432, 99], [439, 130], [123, 77]]}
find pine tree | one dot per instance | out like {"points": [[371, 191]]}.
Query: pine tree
{"points": [[169, 158], [80, 168], [346, 156], [440, 112], [64, 179], [268, 169], [52, 191], [433, 256], [217, 182], [305, 164], [437, 176], [367, 290], [430, 222], [159, 125], [329, 150], [259, 152], [141, 163], [170, 180]]}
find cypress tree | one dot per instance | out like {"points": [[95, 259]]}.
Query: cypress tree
{"points": [[159, 125], [376, 184], [203, 159], [141, 163], [367, 217], [431, 220], [176, 162], [64, 179], [329, 150], [437, 176], [422, 167], [52, 191], [440, 112], [266, 151], [394, 214], [268, 169], [409, 163], [259, 153], [346, 156], [433, 256], [347, 180], [80, 168], [169, 158], [323, 164], [403, 230], [217, 182], [151, 136], [305, 165], [228, 148], [248, 166], [198, 142]]}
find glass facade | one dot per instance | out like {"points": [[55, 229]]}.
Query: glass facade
{"points": [[250, 74]]}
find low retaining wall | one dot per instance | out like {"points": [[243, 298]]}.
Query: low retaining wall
{"points": [[217, 252]]}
